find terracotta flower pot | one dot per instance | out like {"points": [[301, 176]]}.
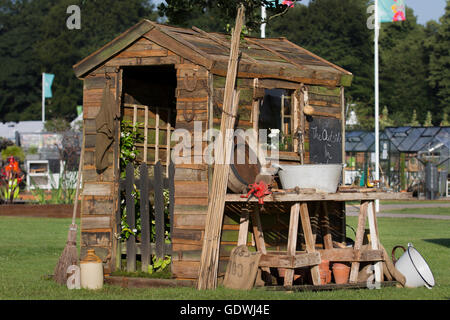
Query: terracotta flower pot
{"points": [[325, 273], [341, 273]]}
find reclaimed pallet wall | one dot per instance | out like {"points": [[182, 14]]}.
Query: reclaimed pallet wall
{"points": [[98, 205], [191, 178]]}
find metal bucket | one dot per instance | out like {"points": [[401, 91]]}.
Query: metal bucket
{"points": [[322, 177], [414, 267]]}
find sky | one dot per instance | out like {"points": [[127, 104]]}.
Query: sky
{"points": [[425, 10]]}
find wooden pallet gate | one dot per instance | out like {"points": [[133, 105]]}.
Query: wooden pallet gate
{"points": [[147, 246]]}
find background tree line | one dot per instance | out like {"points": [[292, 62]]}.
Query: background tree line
{"points": [[414, 59]]}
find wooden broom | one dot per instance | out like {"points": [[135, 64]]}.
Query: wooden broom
{"points": [[69, 255]]}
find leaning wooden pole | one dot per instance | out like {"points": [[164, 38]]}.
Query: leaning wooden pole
{"points": [[211, 244]]}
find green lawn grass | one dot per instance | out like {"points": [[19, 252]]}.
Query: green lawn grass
{"points": [[30, 248], [427, 211]]}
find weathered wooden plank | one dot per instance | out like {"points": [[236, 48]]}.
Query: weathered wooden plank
{"points": [[97, 189], [178, 47], [196, 221], [96, 237], [143, 53], [359, 240], [309, 241], [95, 222], [145, 218], [131, 218], [143, 61], [288, 261], [351, 255], [191, 201], [113, 47], [190, 189], [292, 241], [171, 177], [347, 196], [95, 206], [159, 211]]}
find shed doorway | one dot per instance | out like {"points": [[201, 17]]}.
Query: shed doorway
{"points": [[149, 107]]}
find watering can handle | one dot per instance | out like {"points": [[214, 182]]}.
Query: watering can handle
{"points": [[393, 252]]}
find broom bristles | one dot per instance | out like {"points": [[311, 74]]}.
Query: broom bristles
{"points": [[68, 257]]}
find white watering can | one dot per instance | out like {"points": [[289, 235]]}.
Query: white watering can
{"points": [[414, 267]]}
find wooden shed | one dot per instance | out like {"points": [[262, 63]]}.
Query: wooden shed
{"points": [[171, 78]]}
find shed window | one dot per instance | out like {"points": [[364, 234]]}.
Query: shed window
{"points": [[276, 116]]}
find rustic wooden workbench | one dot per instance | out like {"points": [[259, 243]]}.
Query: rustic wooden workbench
{"points": [[312, 257]]}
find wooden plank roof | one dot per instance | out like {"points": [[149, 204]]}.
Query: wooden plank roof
{"points": [[275, 58]]}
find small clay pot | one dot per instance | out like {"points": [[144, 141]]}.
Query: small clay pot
{"points": [[341, 273], [325, 273]]}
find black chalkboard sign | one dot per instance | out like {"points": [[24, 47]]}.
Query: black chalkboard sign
{"points": [[325, 140]]}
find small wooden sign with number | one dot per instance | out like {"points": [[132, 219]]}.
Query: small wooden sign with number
{"points": [[242, 269]]}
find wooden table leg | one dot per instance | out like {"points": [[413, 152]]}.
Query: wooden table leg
{"points": [[325, 227], [258, 235], [292, 241], [359, 239], [374, 240], [258, 231], [310, 244], [243, 227]]}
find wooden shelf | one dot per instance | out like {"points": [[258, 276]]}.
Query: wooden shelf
{"points": [[317, 196]]}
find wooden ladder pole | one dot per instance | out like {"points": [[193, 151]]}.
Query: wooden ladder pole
{"points": [[211, 244]]}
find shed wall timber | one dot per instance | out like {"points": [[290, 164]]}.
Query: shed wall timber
{"points": [[99, 198], [199, 95]]}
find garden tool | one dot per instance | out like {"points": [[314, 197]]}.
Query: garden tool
{"points": [[69, 255]]}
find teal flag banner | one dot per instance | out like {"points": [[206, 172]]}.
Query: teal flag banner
{"points": [[48, 81]]}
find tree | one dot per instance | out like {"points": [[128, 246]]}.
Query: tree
{"points": [[384, 120], [414, 122], [336, 30], [34, 38], [216, 15], [439, 78], [445, 121], [404, 68], [428, 120], [57, 125]]}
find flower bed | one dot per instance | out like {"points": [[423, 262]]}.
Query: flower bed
{"points": [[38, 210]]}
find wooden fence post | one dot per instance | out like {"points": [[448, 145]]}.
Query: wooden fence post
{"points": [[145, 218], [159, 211], [131, 218]]}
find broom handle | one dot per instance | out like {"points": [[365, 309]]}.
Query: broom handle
{"points": [[77, 193]]}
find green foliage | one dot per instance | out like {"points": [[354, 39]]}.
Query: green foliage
{"points": [[4, 143], [13, 151], [34, 39], [32, 150], [10, 191], [414, 122], [63, 192], [439, 75], [428, 120], [218, 15], [385, 121], [445, 121], [57, 125]]}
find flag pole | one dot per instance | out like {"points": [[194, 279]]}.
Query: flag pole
{"points": [[263, 18], [377, 102], [43, 98]]}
